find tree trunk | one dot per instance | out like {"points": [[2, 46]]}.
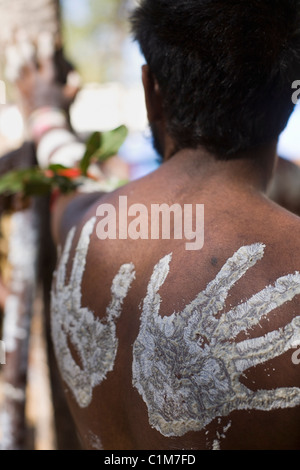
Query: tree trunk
{"points": [[33, 17], [22, 256]]}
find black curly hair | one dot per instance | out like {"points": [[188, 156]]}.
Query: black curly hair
{"points": [[225, 68]]}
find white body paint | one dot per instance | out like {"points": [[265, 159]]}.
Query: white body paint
{"points": [[94, 340], [216, 443], [186, 366], [94, 441]]}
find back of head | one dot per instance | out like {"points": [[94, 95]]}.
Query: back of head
{"points": [[225, 68]]}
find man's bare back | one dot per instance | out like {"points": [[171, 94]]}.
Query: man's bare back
{"points": [[166, 358], [161, 346]]}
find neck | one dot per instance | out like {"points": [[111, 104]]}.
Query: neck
{"points": [[249, 170]]}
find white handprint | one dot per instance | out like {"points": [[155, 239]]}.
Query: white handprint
{"points": [[186, 366], [94, 340]]}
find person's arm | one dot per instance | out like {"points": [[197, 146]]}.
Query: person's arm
{"points": [[69, 211]]}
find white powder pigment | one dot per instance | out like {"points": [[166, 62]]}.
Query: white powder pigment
{"points": [[94, 340], [187, 368]]}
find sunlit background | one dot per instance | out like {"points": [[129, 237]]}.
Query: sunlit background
{"points": [[97, 40]]}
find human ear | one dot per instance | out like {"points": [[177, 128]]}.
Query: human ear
{"points": [[152, 95]]}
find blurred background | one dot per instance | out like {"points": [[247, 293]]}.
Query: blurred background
{"points": [[97, 41]]}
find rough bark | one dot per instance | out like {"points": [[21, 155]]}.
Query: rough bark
{"points": [[35, 223]]}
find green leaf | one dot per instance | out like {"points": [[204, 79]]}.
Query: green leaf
{"points": [[13, 182], [35, 181], [55, 168], [92, 145], [102, 146], [111, 143], [37, 188], [64, 184]]}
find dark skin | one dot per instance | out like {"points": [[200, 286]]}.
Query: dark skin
{"points": [[237, 213]]}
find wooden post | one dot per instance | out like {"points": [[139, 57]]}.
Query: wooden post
{"points": [[23, 257], [33, 17], [14, 372]]}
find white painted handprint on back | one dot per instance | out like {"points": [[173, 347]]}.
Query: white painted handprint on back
{"points": [[186, 366], [94, 340]]}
